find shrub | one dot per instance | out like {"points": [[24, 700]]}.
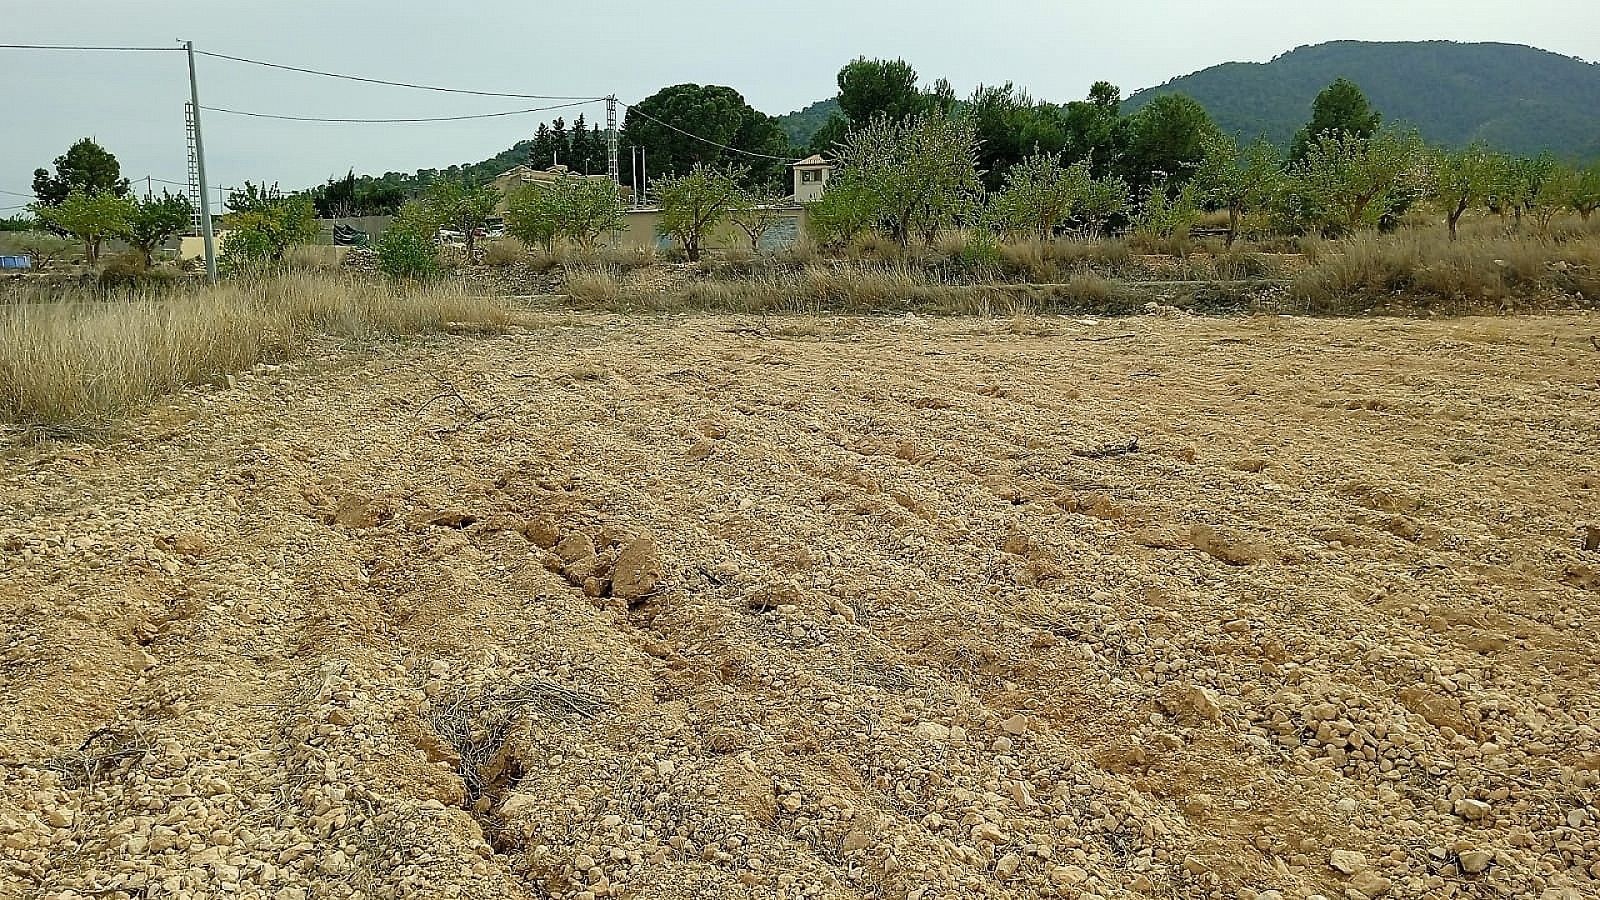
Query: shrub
{"points": [[406, 253], [129, 271], [260, 235]]}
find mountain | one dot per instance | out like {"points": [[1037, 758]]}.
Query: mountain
{"points": [[1515, 98], [801, 124]]}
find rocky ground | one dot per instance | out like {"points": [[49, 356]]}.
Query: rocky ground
{"points": [[822, 608]]}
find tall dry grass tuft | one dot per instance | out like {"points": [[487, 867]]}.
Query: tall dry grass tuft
{"points": [[1487, 268], [72, 358]]}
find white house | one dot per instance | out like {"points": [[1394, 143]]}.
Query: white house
{"points": [[810, 177]]}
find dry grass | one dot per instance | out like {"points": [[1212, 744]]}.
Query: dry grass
{"points": [[1483, 270], [314, 257], [505, 252], [70, 358]]}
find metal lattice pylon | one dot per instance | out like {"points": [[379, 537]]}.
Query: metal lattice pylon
{"points": [[194, 168]]}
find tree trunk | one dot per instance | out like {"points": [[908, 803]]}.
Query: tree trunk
{"points": [[1233, 224], [1455, 218]]}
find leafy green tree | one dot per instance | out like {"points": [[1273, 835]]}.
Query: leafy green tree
{"points": [[1010, 125], [91, 218], [1093, 128], [86, 168], [260, 234], [921, 174], [846, 210], [689, 124], [1040, 195], [254, 197], [1104, 198], [1166, 140], [1235, 179], [154, 220], [576, 208], [1553, 195], [869, 88], [461, 207], [1462, 179], [1583, 191], [1340, 109], [1346, 182], [407, 251], [693, 203], [829, 135]]}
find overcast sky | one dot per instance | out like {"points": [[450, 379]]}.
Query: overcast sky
{"points": [[780, 56]]}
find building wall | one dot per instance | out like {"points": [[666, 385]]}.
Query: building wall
{"points": [[641, 230], [809, 191]]}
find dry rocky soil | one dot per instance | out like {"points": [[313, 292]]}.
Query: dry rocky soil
{"points": [[903, 608]]}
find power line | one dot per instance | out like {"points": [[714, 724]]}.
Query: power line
{"points": [[404, 84], [16, 193], [95, 49], [513, 112], [634, 109]]}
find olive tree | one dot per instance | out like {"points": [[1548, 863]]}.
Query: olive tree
{"points": [[919, 174], [693, 203]]}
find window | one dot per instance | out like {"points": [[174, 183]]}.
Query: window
{"points": [[808, 176]]}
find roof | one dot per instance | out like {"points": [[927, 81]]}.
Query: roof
{"points": [[812, 160]]}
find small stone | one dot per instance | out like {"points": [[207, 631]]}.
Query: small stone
{"points": [[574, 547], [58, 818], [1017, 724], [1576, 818], [1348, 862], [637, 571], [1007, 866], [855, 840], [1370, 884], [1002, 744], [1470, 809], [1475, 861]]}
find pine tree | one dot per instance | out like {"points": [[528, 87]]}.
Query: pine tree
{"points": [[539, 154], [560, 143]]}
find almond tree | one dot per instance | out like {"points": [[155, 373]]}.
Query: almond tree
{"points": [[1462, 179], [919, 174], [1238, 180], [1040, 195], [692, 204]]}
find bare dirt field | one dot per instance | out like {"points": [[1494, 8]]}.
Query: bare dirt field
{"points": [[896, 608]]}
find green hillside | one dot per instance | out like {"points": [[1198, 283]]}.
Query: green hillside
{"points": [[1516, 98], [801, 124]]}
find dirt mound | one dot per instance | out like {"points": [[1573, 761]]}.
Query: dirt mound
{"points": [[1211, 609]]}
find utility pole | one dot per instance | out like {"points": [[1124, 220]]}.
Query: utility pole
{"points": [[200, 169], [611, 140], [148, 191]]}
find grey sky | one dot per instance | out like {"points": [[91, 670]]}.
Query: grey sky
{"points": [[780, 56]]}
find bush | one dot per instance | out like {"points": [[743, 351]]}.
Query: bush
{"points": [[260, 235], [128, 271], [406, 253]]}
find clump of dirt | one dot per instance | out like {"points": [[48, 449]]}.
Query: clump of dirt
{"points": [[823, 608]]}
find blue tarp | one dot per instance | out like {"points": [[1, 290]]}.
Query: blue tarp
{"points": [[15, 262]]}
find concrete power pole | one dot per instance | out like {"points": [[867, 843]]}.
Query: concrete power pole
{"points": [[200, 169]]}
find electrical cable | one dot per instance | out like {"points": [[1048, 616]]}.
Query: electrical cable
{"points": [[96, 49], [16, 193], [404, 84], [634, 109], [513, 112]]}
